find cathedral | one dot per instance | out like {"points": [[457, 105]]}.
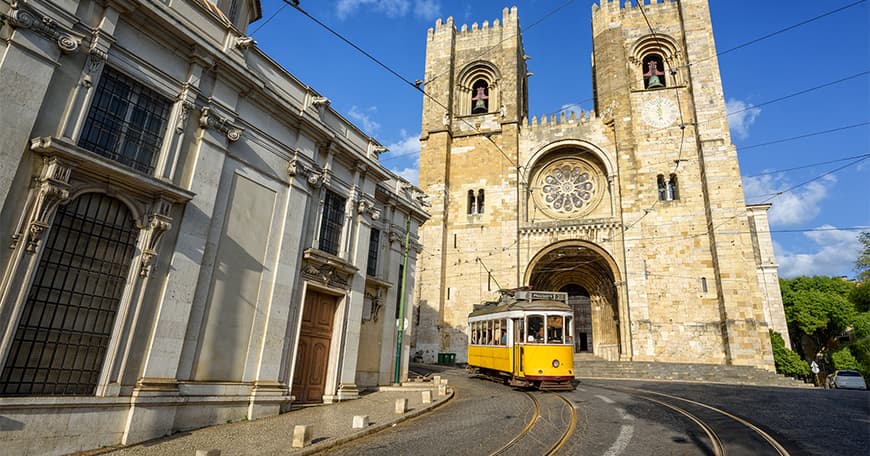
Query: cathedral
{"points": [[636, 208]]}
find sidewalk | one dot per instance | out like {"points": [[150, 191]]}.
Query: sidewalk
{"points": [[331, 425]]}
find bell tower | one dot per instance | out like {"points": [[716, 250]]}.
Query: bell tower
{"points": [[476, 98], [683, 209]]}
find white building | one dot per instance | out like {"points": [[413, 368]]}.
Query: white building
{"points": [[196, 236]]}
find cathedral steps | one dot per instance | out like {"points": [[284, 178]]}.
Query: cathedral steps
{"points": [[590, 366]]}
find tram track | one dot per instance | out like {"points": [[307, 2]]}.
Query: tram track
{"points": [[728, 433], [540, 427]]}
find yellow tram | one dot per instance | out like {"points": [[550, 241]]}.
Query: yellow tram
{"points": [[525, 339]]}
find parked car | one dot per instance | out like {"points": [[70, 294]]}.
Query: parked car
{"points": [[847, 379]]}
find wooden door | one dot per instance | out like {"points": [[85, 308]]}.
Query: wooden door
{"points": [[312, 354]]}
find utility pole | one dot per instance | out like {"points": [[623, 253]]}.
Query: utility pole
{"points": [[401, 323]]}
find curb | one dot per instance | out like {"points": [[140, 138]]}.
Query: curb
{"points": [[322, 446]]}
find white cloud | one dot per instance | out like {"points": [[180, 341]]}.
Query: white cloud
{"points": [[423, 9], [790, 208], [427, 9], [412, 175], [408, 145], [832, 253], [364, 120], [741, 116]]}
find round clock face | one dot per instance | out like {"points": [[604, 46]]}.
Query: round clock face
{"points": [[659, 112]]}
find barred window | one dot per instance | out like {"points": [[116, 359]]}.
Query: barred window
{"points": [[126, 121], [374, 245], [66, 323], [333, 220]]}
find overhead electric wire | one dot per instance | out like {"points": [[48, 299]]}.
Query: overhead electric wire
{"points": [[811, 165], [745, 44], [269, 19], [807, 135], [488, 50]]}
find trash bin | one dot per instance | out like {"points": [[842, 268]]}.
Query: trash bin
{"points": [[446, 358]]}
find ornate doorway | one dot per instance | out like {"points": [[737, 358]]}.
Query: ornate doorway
{"points": [[586, 273], [312, 355]]}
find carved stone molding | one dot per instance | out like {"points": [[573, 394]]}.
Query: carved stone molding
{"points": [[25, 16], [186, 97], [51, 189], [328, 270], [245, 42], [368, 208], [223, 124], [159, 222]]}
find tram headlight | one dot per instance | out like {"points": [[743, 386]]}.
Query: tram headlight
{"points": [[555, 363]]}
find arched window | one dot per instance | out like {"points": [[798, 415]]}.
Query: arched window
{"points": [[667, 188], [654, 72], [66, 324], [480, 97], [480, 201], [472, 205]]}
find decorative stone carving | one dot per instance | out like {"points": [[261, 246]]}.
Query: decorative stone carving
{"points": [[320, 102], [327, 271], [367, 207], [377, 302], [245, 42], [25, 16], [222, 124], [567, 188], [51, 189], [158, 224]]}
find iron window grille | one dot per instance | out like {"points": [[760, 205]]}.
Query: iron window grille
{"points": [[66, 323], [126, 121], [374, 245], [333, 220]]}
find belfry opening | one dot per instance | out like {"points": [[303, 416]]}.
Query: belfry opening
{"points": [[586, 273]]}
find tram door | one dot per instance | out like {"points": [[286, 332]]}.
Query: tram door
{"points": [[578, 299], [312, 355]]}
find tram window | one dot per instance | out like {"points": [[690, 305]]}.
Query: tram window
{"points": [[519, 334], [536, 328], [474, 336], [489, 332], [569, 330], [555, 329], [504, 332]]}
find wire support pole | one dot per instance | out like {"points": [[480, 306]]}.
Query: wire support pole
{"points": [[400, 325]]}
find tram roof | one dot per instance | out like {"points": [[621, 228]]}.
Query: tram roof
{"points": [[521, 303]]}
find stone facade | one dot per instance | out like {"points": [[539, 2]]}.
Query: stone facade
{"points": [[636, 209], [195, 235]]}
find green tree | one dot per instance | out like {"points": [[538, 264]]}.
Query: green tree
{"points": [[818, 310], [786, 361], [862, 263]]}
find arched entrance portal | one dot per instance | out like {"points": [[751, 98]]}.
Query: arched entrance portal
{"points": [[587, 274]]}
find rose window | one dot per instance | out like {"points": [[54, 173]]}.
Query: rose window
{"points": [[567, 187]]}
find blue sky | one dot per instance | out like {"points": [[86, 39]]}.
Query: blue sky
{"points": [[812, 206]]}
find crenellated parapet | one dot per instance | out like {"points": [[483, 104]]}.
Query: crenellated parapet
{"points": [[610, 11], [509, 21], [562, 121]]}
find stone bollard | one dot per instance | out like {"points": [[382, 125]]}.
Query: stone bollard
{"points": [[442, 390], [427, 397], [443, 381], [360, 421], [436, 380], [401, 406], [301, 436], [212, 452]]}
